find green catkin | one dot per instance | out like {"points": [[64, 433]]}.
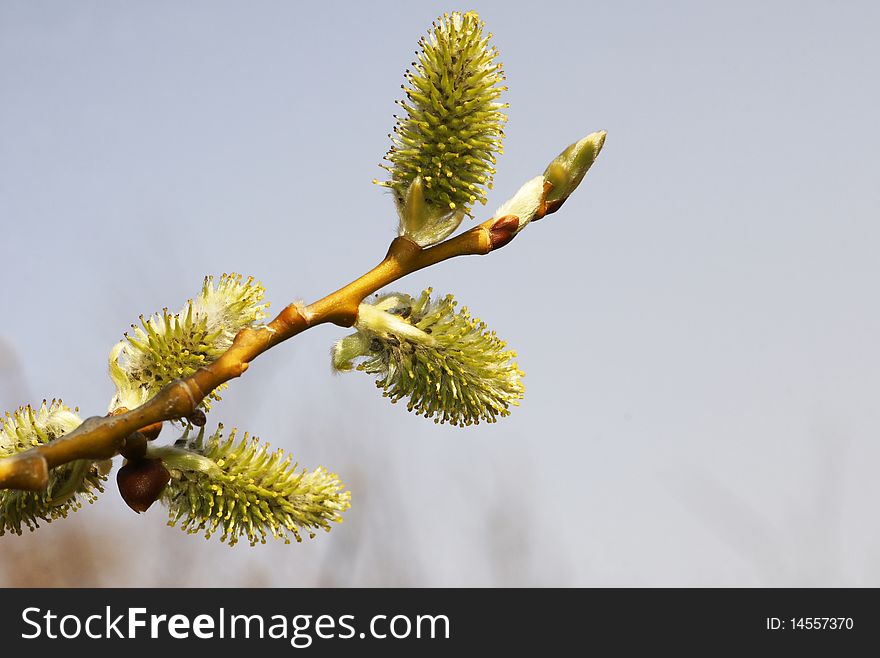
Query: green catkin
{"points": [[463, 375], [451, 132], [169, 346], [244, 490], [69, 484]]}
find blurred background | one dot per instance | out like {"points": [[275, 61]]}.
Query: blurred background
{"points": [[698, 325]]}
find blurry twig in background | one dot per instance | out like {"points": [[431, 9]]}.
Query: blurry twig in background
{"points": [[63, 555], [788, 546]]}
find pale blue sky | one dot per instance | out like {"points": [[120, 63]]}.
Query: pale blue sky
{"points": [[698, 324]]}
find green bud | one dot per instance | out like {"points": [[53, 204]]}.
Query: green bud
{"points": [[244, 490], [569, 168], [69, 484], [170, 346], [452, 129], [448, 365]]}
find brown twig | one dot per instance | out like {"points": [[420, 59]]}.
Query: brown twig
{"points": [[104, 437]]}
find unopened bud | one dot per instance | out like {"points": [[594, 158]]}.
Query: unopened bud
{"points": [[197, 418], [567, 171], [141, 483]]}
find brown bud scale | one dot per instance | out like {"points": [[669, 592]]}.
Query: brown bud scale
{"points": [[198, 418], [141, 483], [553, 206], [503, 231]]}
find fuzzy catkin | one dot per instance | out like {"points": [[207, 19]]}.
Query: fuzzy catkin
{"points": [[69, 485], [457, 371], [451, 132], [169, 346], [241, 489]]}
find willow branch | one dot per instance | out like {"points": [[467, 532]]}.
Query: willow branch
{"points": [[104, 437]]}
